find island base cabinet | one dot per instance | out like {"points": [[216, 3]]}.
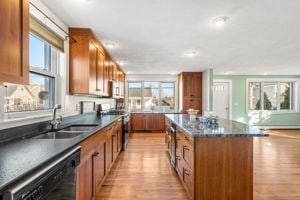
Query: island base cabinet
{"points": [[223, 168], [215, 168]]}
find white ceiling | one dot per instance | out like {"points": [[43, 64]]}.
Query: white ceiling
{"points": [[262, 36]]}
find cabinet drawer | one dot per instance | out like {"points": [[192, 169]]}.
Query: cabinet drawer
{"points": [[184, 150], [185, 137], [188, 179]]}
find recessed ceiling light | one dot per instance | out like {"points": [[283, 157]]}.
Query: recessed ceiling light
{"points": [[129, 72], [220, 21], [227, 73], [173, 73], [110, 45], [191, 53], [265, 73]]}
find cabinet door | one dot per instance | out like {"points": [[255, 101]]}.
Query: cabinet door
{"points": [[109, 149], [93, 68], [158, 122], [14, 40], [148, 122], [85, 181], [99, 164], [115, 143], [100, 74], [137, 122], [106, 76]]}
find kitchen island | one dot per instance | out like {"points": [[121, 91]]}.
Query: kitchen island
{"points": [[213, 163]]}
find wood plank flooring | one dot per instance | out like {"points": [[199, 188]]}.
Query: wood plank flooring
{"points": [[277, 166], [143, 170]]}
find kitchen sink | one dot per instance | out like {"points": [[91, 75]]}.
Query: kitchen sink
{"points": [[69, 132], [59, 135], [78, 128]]}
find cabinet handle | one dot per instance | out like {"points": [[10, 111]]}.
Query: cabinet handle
{"points": [[178, 158], [186, 148], [109, 128], [186, 172], [95, 154]]}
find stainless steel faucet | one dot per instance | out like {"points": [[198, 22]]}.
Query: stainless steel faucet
{"points": [[54, 122]]}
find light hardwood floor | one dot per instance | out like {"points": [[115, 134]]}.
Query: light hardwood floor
{"points": [[143, 170], [277, 166]]}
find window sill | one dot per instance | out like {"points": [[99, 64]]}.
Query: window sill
{"points": [[19, 119], [273, 112]]}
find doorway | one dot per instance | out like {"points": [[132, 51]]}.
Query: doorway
{"points": [[222, 98]]}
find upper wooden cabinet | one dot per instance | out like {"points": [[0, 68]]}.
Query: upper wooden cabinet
{"points": [[190, 91], [92, 71], [14, 40]]}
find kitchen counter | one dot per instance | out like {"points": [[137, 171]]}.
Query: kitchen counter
{"points": [[213, 163], [154, 112], [225, 128], [19, 158]]}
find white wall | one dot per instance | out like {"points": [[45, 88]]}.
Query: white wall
{"points": [[207, 78]]}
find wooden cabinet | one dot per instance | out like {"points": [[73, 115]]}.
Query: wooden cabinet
{"points": [[147, 122], [91, 169], [190, 91], [91, 69], [109, 148], [83, 62], [158, 122], [215, 167], [185, 160], [14, 40], [97, 157]]}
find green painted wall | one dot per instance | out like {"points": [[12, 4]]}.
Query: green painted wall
{"points": [[239, 112]]}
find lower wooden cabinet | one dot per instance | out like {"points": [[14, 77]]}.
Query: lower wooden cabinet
{"points": [[147, 122], [215, 167], [98, 153], [109, 148]]}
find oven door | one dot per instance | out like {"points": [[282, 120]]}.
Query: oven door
{"points": [[126, 132]]}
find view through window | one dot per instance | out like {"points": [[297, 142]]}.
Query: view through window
{"points": [[151, 95], [271, 95], [40, 93]]}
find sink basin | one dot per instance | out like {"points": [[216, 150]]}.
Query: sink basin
{"points": [[59, 135], [78, 128], [70, 132]]}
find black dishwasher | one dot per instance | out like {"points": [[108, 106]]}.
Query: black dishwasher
{"points": [[56, 181]]}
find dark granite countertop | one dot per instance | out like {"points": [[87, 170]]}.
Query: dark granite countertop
{"points": [[225, 128], [20, 157]]}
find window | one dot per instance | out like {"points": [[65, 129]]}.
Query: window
{"points": [[40, 93], [151, 95], [272, 95]]}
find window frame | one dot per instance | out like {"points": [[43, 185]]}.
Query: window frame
{"points": [[295, 95], [55, 58], [159, 92]]}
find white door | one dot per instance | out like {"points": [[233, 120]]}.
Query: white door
{"points": [[221, 99]]}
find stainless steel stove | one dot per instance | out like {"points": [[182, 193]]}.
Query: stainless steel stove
{"points": [[105, 109]]}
